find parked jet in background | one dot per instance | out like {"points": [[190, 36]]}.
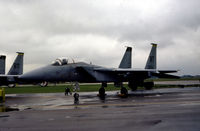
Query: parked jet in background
{"points": [[61, 70], [14, 72]]}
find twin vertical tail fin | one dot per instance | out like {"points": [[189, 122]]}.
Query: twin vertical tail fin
{"points": [[17, 67], [151, 61], [126, 61], [2, 64]]}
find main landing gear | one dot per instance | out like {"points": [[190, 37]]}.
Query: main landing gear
{"points": [[102, 90], [123, 92], [11, 85], [44, 84]]}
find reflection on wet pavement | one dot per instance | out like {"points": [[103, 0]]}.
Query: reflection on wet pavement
{"points": [[53, 101], [4, 108]]}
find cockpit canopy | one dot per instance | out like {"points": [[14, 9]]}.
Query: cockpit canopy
{"points": [[62, 61]]}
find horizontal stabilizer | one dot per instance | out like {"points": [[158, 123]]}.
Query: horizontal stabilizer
{"points": [[167, 71], [162, 75]]}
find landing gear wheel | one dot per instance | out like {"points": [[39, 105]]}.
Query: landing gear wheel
{"points": [[124, 92], [11, 85], [44, 84], [102, 92]]}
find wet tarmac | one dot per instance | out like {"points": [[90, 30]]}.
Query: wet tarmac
{"points": [[182, 82], [159, 109]]}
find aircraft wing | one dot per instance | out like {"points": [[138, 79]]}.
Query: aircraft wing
{"points": [[121, 70], [163, 75], [134, 70], [101, 74], [151, 72]]}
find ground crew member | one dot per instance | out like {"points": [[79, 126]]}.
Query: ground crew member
{"points": [[76, 86], [76, 98], [67, 91]]}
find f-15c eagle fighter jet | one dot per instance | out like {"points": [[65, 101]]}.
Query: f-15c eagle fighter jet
{"points": [[62, 70]]}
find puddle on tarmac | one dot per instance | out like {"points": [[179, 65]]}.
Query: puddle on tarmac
{"points": [[4, 108]]}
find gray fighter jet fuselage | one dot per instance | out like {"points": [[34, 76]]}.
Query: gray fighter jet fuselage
{"points": [[80, 72], [62, 70]]}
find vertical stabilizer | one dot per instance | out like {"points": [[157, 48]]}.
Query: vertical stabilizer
{"points": [[151, 61], [2, 64], [17, 67], [127, 59]]}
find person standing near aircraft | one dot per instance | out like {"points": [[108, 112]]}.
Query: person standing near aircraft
{"points": [[76, 86], [67, 91], [76, 98]]}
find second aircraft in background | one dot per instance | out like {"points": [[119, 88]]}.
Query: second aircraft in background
{"points": [[16, 69]]}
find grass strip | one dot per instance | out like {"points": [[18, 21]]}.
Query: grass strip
{"points": [[55, 89]]}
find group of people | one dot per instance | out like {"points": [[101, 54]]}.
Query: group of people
{"points": [[76, 95]]}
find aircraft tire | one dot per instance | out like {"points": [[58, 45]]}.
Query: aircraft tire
{"points": [[44, 84], [11, 85], [124, 92], [102, 91]]}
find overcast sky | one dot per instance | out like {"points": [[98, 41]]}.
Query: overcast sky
{"points": [[97, 31]]}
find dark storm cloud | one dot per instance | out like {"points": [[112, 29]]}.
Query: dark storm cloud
{"points": [[97, 30]]}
